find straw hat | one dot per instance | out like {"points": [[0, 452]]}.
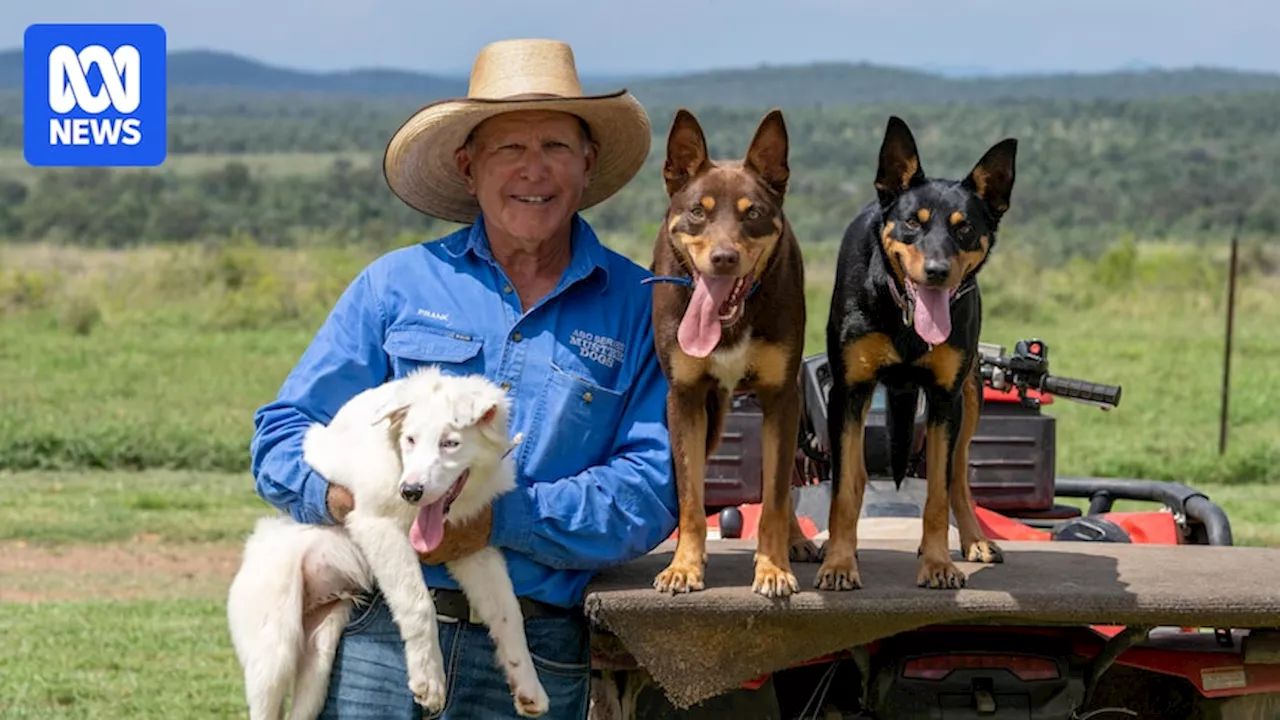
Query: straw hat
{"points": [[512, 75]]}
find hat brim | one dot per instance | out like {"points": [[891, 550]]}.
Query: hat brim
{"points": [[420, 168]]}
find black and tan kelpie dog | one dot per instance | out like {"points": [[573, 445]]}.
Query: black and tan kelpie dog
{"points": [[906, 312], [729, 316]]}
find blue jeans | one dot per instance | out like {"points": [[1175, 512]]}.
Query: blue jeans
{"points": [[370, 680]]}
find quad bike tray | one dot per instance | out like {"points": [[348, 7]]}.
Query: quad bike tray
{"points": [[698, 645]]}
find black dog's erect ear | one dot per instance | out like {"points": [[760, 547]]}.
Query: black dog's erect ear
{"points": [[899, 162], [992, 177], [767, 155], [686, 151]]}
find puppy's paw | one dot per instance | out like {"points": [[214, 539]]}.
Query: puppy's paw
{"points": [[983, 551], [679, 577], [522, 680], [531, 700], [427, 682], [939, 573]]}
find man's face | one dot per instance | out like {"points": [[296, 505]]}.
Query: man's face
{"points": [[528, 170]]}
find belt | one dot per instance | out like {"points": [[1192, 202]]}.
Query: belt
{"points": [[453, 603]]}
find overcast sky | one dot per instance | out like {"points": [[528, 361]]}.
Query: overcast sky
{"points": [[660, 36]]}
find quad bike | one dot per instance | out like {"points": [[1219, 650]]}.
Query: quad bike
{"points": [[1032, 673]]}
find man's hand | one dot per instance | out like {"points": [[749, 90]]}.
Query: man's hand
{"points": [[460, 540], [339, 501]]}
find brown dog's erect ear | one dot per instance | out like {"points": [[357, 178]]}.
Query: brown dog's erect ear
{"points": [[767, 155], [686, 151], [992, 177], [899, 162]]}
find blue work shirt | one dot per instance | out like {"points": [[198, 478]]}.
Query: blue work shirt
{"points": [[594, 480]]}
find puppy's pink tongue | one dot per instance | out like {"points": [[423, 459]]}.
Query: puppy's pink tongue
{"points": [[933, 314], [700, 328], [428, 529]]}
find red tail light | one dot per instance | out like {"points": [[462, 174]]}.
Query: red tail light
{"points": [[1024, 667]]}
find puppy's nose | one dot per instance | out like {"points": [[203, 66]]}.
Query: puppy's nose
{"points": [[411, 493], [724, 258], [935, 271]]}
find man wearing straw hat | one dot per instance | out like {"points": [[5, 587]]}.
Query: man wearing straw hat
{"points": [[526, 294]]}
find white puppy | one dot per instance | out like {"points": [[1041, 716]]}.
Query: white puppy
{"points": [[411, 451]]}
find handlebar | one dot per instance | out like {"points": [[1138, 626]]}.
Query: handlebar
{"points": [[1081, 390], [1028, 368]]}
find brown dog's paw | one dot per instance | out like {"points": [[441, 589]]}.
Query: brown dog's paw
{"points": [[838, 573], [678, 578], [939, 574], [804, 550], [984, 551], [773, 581]]}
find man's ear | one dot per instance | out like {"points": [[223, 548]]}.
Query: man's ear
{"points": [[462, 157]]}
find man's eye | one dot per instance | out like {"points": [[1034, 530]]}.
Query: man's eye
{"points": [[449, 443]]}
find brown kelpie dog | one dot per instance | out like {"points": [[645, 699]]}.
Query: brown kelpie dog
{"points": [[906, 313], [729, 316]]}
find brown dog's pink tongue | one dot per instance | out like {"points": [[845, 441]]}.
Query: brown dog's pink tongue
{"points": [[933, 314], [428, 529], [700, 328]]}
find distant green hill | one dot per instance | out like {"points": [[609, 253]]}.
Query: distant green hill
{"points": [[798, 85]]}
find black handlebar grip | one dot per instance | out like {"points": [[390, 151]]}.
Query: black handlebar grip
{"points": [[1081, 390]]}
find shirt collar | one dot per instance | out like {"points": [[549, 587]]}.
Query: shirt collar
{"points": [[587, 254]]}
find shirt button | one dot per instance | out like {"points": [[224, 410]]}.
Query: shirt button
{"points": [[516, 336], [506, 386], [506, 288], [587, 396]]}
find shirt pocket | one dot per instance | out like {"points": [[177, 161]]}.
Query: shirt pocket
{"points": [[413, 346], [577, 421]]}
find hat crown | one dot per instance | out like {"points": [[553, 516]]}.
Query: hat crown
{"points": [[524, 68]]}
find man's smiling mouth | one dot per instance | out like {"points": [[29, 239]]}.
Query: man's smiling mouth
{"points": [[533, 199]]}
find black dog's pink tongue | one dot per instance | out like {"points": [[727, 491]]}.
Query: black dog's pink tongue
{"points": [[700, 328], [933, 314]]}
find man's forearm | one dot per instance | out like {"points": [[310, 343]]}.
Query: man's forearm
{"points": [[281, 475], [604, 516]]}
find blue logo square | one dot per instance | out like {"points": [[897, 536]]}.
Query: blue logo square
{"points": [[94, 95]]}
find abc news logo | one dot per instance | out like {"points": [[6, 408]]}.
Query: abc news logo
{"points": [[69, 90], [95, 95]]}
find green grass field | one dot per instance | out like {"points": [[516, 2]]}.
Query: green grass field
{"points": [[158, 358]]}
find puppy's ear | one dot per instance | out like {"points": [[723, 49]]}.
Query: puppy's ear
{"points": [[394, 415], [487, 412], [767, 155], [992, 178], [899, 168], [686, 151]]}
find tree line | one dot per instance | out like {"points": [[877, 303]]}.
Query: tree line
{"points": [[1088, 171]]}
